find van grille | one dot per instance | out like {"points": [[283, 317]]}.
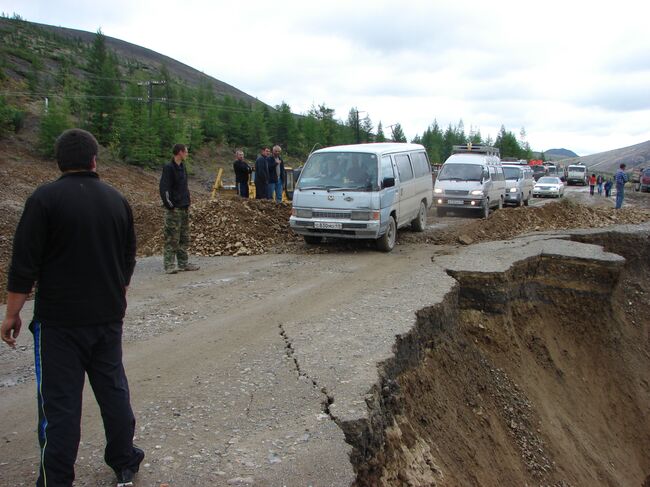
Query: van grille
{"points": [[456, 192], [331, 214]]}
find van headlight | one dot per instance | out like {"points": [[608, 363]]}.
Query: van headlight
{"points": [[513, 190], [364, 215], [438, 190], [477, 192]]}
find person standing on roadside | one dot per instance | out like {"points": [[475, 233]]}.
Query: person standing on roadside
{"points": [[262, 174], [76, 241], [621, 178], [242, 172], [175, 196], [277, 174], [592, 184], [599, 184], [608, 187]]}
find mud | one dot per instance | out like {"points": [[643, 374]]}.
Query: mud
{"points": [[538, 375]]}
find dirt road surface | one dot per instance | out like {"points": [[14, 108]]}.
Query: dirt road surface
{"points": [[255, 370]]}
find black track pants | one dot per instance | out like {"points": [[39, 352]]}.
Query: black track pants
{"points": [[63, 356]]}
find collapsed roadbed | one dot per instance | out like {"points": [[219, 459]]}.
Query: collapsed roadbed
{"points": [[533, 370]]}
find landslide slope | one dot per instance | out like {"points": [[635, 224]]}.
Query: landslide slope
{"points": [[535, 376]]}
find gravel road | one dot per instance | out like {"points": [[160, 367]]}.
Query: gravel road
{"points": [[230, 382]]}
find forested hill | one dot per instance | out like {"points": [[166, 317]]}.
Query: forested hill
{"points": [[148, 59], [138, 103]]}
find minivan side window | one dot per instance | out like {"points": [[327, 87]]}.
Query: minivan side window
{"points": [[404, 167], [420, 164], [386, 168]]}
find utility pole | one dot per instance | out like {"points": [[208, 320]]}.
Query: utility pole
{"points": [[150, 84], [358, 135], [357, 112], [392, 134]]}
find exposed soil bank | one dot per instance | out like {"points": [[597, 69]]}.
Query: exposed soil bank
{"points": [[539, 375]]}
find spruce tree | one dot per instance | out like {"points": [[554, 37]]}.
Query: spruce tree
{"points": [[103, 92]]}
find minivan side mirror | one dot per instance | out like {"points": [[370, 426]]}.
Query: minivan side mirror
{"points": [[388, 183]]}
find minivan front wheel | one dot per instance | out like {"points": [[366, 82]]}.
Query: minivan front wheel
{"points": [[386, 242], [420, 221]]}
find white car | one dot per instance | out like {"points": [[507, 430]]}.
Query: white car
{"points": [[548, 186]]}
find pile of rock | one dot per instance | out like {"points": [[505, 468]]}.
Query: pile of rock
{"points": [[510, 222], [223, 227]]}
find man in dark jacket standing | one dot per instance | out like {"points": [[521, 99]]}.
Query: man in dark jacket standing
{"points": [[262, 174], [75, 239], [277, 174], [175, 196], [242, 172]]}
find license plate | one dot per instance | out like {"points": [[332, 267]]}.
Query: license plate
{"points": [[455, 202], [328, 225]]}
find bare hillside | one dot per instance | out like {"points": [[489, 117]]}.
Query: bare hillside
{"points": [[637, 155]]}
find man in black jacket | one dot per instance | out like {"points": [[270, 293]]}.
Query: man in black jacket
{"points": [[262, 174], [277, 174], [242, 172], [75, 239], [175, 196]]}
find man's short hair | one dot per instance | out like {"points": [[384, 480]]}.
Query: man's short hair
{"points": [[178, 148], [265, 147], [622, 166], [277, 147], [75, 150]]}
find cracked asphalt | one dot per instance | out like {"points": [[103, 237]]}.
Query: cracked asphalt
{"points": [[239, 371]]}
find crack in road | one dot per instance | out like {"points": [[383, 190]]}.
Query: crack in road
{"points": [[290, 353]]}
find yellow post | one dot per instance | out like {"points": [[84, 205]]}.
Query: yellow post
{"points": [[217, 183]]}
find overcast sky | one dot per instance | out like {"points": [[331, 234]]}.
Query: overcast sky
{"points": [[572, 73]]}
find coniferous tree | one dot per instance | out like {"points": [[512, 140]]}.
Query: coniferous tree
{"points": [[103, 91], [398, 133], [380, 137], [366, 129], [53, 122], [284, 127]]}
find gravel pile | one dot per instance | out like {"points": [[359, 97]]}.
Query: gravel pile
{"points": [[223, 227]]}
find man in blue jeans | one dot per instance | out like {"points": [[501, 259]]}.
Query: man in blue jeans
{"points": [[277, 174], [621, 178], [76, 240]]}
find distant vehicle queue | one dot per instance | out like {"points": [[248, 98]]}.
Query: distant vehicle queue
{"points": [[368, 191]]}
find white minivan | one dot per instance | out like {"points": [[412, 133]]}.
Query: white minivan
{"points": [[363, 191], [470, 179], [519, 184]]}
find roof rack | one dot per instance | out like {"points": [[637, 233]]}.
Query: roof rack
{"points": [[475, 149], [513, 161]]}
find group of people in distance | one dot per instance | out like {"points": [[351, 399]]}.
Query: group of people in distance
{"points": [[620, 178], [270, 174]]}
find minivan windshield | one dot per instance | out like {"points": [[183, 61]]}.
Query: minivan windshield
{"points": [[512, 172], [339, 171], [460, 172]]}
